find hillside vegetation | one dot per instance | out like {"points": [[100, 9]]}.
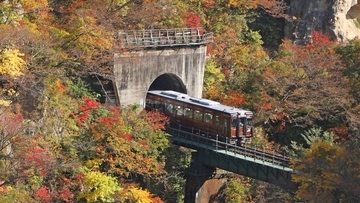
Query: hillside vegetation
{"points": [[59, 143]]}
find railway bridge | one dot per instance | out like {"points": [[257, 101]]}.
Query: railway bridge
{"points": [[212, 155], [174, 59]]}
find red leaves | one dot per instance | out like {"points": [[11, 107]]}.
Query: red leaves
{"points": [[85, 109], [111, 123], [65, 194], [156, 120], [39, 159], [192, 20], [341, 132], [110, 120], [10, 126], [319, 38], [43, 194]]}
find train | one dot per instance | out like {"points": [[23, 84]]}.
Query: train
{"points": [[203, 116]]}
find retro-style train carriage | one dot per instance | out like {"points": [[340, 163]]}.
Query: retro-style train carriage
{"points": [[206, 116]]}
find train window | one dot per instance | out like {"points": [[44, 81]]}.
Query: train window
{"points": [[179, 110], [150, 103], [157, 105], [234, 121], [188, 112], [249, 121], [169, 108], [208, 117], [198, 115], [217, 120]]}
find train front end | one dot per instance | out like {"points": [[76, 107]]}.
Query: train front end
{"points": [[242, 127]]}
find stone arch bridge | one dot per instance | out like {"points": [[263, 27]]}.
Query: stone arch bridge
{"points": [[159, 59]]}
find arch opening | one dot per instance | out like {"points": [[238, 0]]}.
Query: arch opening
{"points": [[168, 81]]}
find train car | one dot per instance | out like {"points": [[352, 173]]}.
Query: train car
{"points": [[207, 117]]}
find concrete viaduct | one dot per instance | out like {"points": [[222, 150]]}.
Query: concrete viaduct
{"points": [[159, 59]]}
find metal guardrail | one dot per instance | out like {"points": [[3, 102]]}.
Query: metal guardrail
{"points": [[205, 141], [164, 37]]}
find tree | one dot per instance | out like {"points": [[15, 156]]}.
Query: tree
{"points": [[349, 55], [11, 126], [235, 191], [98, 186], [11, 62], [327, 173], [305, 87], [138, 195]]}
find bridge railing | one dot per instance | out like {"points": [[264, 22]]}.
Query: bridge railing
{"points": [[164, 37], [197, 140]]}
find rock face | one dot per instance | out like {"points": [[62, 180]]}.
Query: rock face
{"points": [[339, 19]]}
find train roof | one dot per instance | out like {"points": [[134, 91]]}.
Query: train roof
{"points": [[206, 103]]}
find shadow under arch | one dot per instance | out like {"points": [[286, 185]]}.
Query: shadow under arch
{"points": [[168, 81]]}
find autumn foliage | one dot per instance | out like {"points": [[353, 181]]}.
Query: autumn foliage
{"points": [[58, 143], [192, 21]]}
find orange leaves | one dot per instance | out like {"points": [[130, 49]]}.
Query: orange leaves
{"points": [[321, 39], [275, 8], [208, 4], [34, 5], [233, 98], [57, 86], [156, 120], [267, 106], [276, 123]]}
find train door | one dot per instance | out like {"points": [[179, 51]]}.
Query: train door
{"points": [[217, 124], [226, 128]]}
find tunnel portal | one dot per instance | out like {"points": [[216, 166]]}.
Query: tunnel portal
{"points": [[168, 81]]}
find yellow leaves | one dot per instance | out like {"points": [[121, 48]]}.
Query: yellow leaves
{"points": [[93, 163], [5, 102], [98, 186], [137, 195], [7, 92], [321, 171], [30, 5], [88, 35], [242, 3], [213, 80], [11, 62]]}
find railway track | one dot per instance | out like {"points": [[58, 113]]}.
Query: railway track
{"points": [[194, 139]]}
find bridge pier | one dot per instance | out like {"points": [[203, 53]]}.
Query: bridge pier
{"points": [[203, 183]]}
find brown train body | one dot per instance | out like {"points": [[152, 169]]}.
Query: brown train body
{"points": [[203, 116]]}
